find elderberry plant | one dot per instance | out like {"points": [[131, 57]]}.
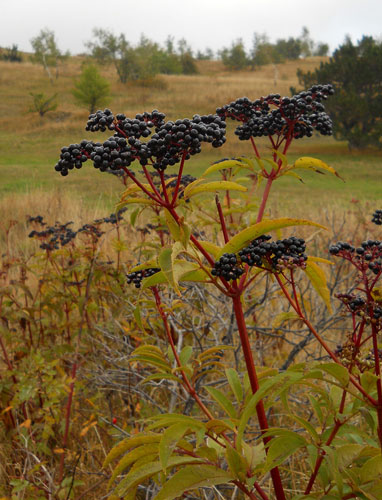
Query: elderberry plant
{"points": [[220, 443]]}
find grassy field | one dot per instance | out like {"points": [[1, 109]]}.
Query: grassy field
{"points": [[29, 144]]}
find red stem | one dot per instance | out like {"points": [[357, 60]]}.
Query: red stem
{"points": [[221, 218], [176, 191], [265, 196], [251, 370]]}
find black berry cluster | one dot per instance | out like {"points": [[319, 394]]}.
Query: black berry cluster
{"points": [[59, 235], [293, 117], [227, 267], [73, 156], [278, 254], [377, 218], [54, 236], [167, 146], [137, 276], [367, 256], [174, 139], [112, 218]]}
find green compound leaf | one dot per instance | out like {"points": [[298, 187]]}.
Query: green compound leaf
{"points": [[138, 475], [281, 448], [170, 438], [318, 279], [192, 477], [221, 165], [337, 371], [223, 401], [243, 238], [235, 384], [130, 458], [128, 444], [211, 187]]}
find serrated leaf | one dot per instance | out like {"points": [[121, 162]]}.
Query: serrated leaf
{"points": [[199, 275], [236, 463], [221, 165], [371, 469], [339, 372], [185, 354], [211, 248], [155, 279], [318, 279], [129, 443], [211, 187], [292, 174], [133, 216], [223, 401], [219, 426], [147, 470], [132, 457], [235, 384], [172, 225], [315, 164], [281, 448], [170, 438], [245, 237], [166, 419], [192, 477]]}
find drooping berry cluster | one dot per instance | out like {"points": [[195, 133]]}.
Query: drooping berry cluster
{"points": [[377, 218], [367, 256], [289, 252], [227, 267], [293, 117], [171, 141], [136, 277], [358, 305], [54, 236], [59, 235], [113, 218]]}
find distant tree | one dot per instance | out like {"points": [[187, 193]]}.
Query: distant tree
{"points": [[288, 49], [46, 52], [263, 51], [356, 108], [306, 42], [321, 49], [235, 57], [91, 90], [11, 54], [108, 48], [43, 104], [207, 55], [188, 64]]}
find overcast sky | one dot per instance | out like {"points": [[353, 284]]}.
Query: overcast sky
{"points": [[203, 23]]}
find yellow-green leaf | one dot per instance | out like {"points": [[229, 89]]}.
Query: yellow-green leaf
{"points": [[221, 165], [211, 187], [128, 444], [170, 438], [192, 477], [318, 279], [147, 470], [315, 164], [132, 457]]}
